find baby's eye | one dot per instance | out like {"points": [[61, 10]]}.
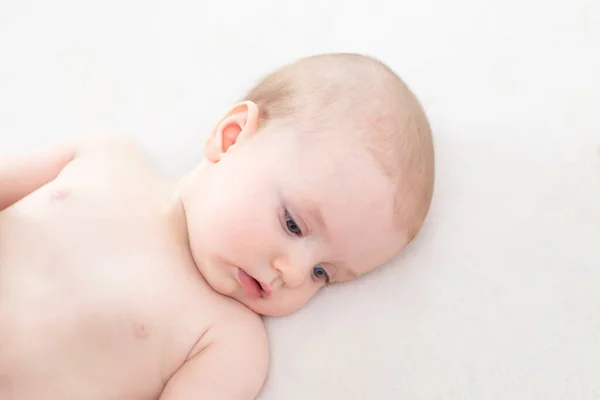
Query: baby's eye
{"points": [[291, 225], [320, 273]]}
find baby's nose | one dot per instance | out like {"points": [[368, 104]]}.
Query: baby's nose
{"points": [[293, 274]]}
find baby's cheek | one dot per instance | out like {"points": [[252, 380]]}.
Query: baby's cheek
{"points": [[259, 223], [292, 300], [245, 234]]}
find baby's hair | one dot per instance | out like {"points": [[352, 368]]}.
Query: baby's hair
{"points": [[358, 94]]}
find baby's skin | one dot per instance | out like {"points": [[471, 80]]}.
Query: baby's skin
{"points": [[116, 283], [100, 297], [108, 290]]}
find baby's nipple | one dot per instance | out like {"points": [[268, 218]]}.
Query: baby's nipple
{"points": [[59, 193], [140, 330]]}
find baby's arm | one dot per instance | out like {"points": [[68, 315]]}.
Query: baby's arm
{"points": [[21, 175], [233, 367]]}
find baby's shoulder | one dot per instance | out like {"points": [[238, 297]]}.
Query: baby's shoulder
{"points": [[235, 318], [106, 141], [106, 153], [230, 360], [234, 325], [110, 166], [108, 144]]}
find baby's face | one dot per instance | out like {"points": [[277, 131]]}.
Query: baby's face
{"points": [[278, 217]]}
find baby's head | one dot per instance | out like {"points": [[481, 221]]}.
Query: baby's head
{"points": [[323, 173]]}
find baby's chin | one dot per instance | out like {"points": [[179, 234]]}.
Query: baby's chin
{"points": [[264, 307], [267, 307]]}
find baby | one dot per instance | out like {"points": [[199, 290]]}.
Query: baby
{"points": [[118, 284]]}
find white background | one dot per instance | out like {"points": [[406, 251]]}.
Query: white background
{"points": [[499, 298]]}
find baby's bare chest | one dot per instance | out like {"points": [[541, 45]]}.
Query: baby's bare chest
{"points": [[91, 293]]}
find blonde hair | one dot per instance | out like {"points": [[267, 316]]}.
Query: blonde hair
{"points": [[352, 91]]}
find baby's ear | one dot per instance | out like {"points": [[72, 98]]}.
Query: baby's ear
{"points": [[239, 123]]}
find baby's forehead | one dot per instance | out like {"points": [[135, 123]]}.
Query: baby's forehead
{"points": [[337, 171], [359, 230], [353, 214]]}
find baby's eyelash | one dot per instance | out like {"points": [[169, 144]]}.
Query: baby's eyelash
{"points": [[291, 225], [321, 273]]}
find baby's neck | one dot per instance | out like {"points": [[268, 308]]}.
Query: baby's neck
{"points": [[176, 217]]}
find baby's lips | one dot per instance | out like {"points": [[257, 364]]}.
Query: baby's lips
{"points": [[267, 288]]}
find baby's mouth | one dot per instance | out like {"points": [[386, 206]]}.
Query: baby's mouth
{"points": [[253, 287]]}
